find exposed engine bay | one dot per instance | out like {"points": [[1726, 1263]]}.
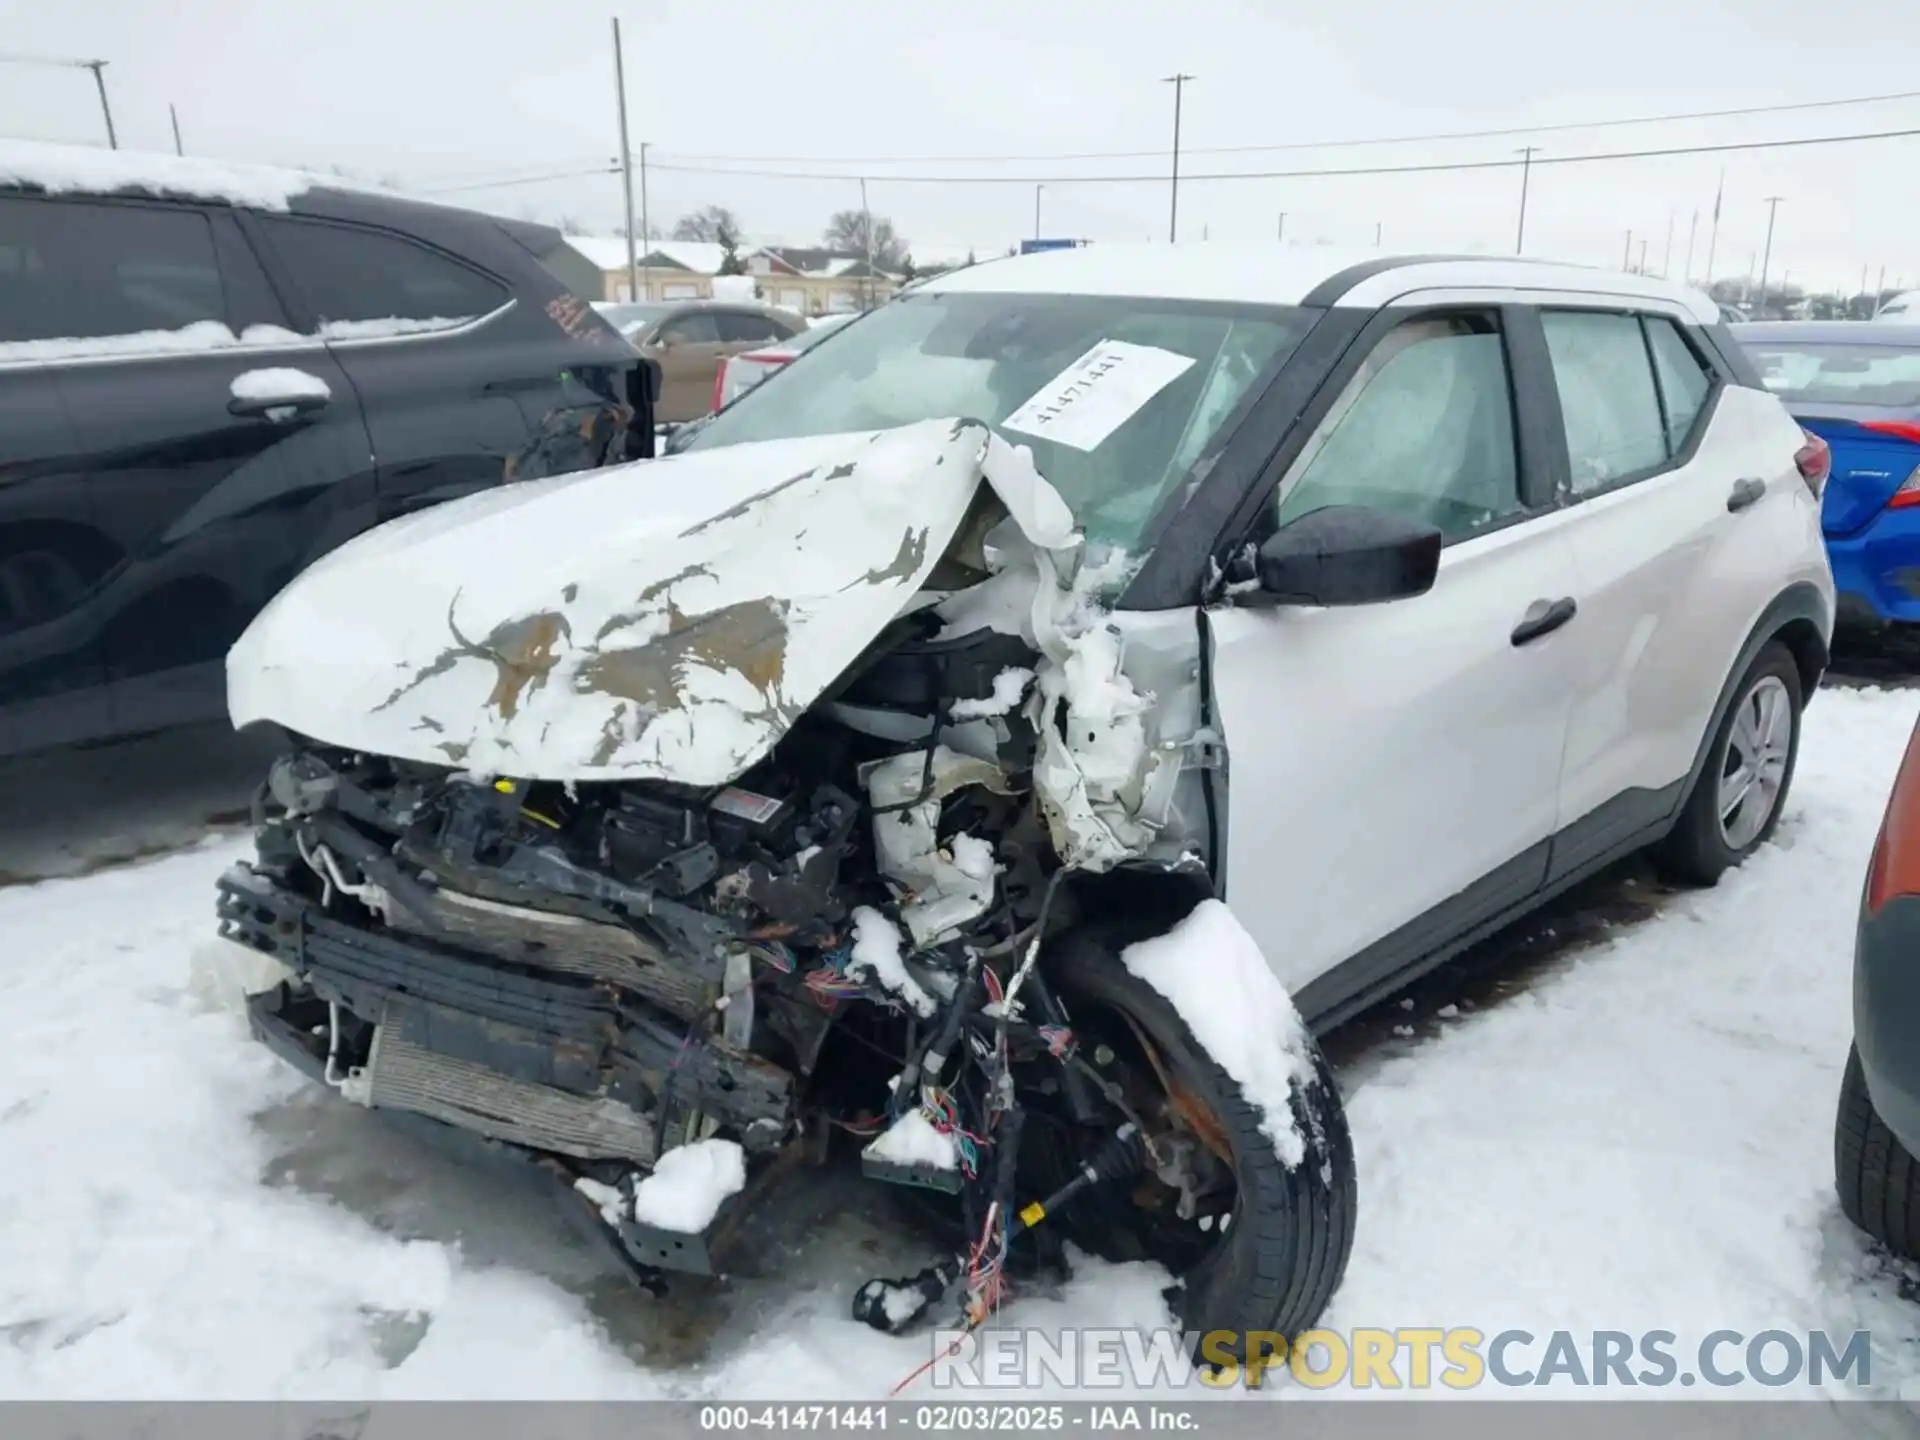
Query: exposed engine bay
{"points": [[664, 991]]}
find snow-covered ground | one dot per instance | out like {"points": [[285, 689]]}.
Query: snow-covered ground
{"points": [[1638, 1139]]}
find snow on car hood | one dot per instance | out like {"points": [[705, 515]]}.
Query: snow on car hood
{"points": [[663, 620]]}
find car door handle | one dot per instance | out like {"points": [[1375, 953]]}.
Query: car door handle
{"points": [[1543, 617], [1745, 493], [255, 406]]}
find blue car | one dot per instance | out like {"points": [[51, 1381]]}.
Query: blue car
{"points": [[1856, 385]]}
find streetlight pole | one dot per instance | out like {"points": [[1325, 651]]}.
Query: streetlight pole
{"points": [[1693, 232], [1666, 257], [100, 83], [1526, 173], [98, 68], [1773, 205], [1036, 210], [1179, 83], [1280, 233], [626, 167], [1713, 238], [1626, 257], [174, 115]]}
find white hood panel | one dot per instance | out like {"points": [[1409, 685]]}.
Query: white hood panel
{"points": [[664, 620]]}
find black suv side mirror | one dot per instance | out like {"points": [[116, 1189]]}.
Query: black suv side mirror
{"points": [[1347, 555]]}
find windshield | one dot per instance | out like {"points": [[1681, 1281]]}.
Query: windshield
{"points": [[1839, 374], [984, 357]]}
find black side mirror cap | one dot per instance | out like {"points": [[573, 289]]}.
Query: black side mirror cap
{"points": [[1347, 555]]}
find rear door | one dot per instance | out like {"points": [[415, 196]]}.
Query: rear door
{"points": [[418, 334], [1690, 518], [1393, 768], [212, 445]]}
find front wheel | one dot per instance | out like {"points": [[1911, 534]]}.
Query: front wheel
{"points": [[1253, 1243], [1737, 799]]}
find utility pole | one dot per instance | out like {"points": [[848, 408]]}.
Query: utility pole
{"points": [[1863, 295], [1666, 258], [1713, 239], [626, 166], [174, 115], [1626, 258], [1693, 232], [1773, 204], [1879, 289], [1281, 232], [1376, 233], [1179, 83], [1526, 173], [866, 226], [1643, 258], [1036, 210]]}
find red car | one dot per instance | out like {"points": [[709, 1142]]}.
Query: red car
{"points": [[1877, 1133]]}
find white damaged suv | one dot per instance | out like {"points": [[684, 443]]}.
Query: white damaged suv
{"points": [[875, 771]]}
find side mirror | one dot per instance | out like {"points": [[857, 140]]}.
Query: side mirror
{"points": [[1348, 555]]}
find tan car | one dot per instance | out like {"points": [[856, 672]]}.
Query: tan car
{"points": [[691, 339]]}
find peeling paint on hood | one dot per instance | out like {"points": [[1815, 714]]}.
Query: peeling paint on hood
{"points": [[664, 620]]}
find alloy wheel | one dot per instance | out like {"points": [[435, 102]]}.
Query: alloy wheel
{"points": [[1755, 764]]}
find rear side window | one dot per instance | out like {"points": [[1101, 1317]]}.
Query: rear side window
{"points": [[1684, 381], [1607, 396], [76, 270], [350, 276], [747, 327]]}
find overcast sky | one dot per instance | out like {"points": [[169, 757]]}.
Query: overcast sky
{"points": [[434, 93]]}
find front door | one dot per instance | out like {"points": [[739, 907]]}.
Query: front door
{"points": [[52, 553], [1392, 769]]}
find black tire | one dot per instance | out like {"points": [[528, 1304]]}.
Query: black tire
{"points": [[1879, 1182], [1285, 1255], [1695, 851]]}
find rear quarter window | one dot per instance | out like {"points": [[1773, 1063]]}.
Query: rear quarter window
{"points": [[348, 275]]}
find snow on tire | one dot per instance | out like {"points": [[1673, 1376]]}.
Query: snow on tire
{"points": [[1280, 1260]]}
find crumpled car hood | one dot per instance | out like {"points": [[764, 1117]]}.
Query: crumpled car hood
{"points": [[665, 620]]}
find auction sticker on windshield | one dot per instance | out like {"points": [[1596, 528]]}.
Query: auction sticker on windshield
{"points": [[1098, 393]]}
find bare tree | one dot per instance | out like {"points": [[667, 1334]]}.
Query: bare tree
{"points": [[716, 225], [848, 231], [713, 223]]}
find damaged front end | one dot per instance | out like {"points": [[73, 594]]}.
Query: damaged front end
{"points": [[659, 898]]}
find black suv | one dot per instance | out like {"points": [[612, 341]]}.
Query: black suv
{"points": [[206, 383]]}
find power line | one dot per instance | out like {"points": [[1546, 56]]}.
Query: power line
{"points": [[1554, 129], [602, 169], [1423, 168]]}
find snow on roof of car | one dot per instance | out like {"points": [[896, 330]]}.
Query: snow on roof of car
{"points": [[90, 170], [1275, 274]]}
